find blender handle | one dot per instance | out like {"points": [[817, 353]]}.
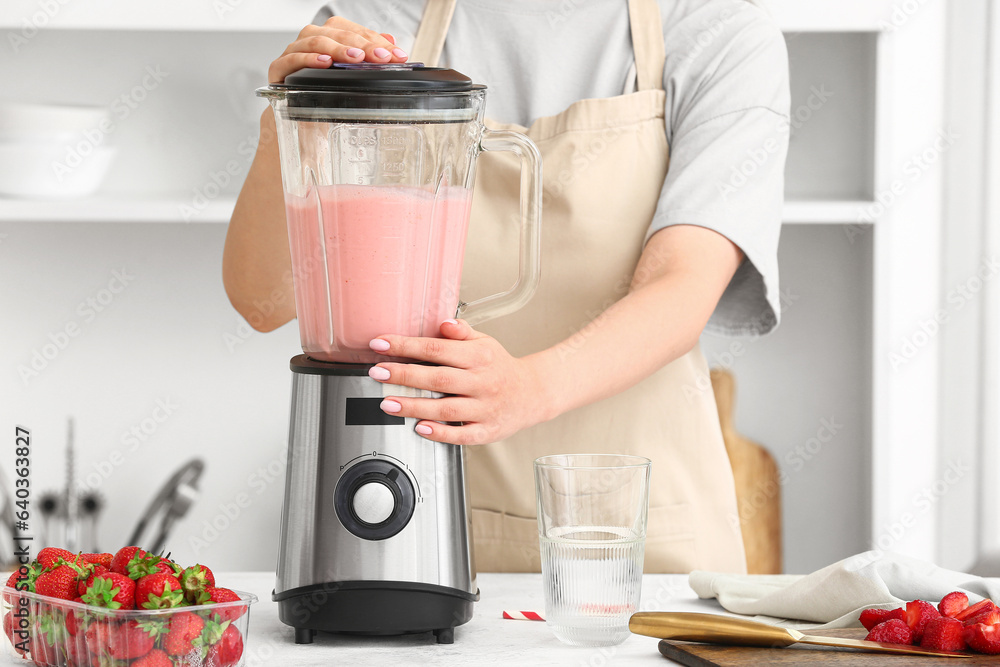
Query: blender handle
{"points": [[530, 251]]}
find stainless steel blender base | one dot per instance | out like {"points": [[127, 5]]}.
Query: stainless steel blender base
{"points": [[374, 527]]}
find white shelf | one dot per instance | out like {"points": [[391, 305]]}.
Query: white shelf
{"points": [[116, 209], [21, 17], [834, 211], [120, 209]]}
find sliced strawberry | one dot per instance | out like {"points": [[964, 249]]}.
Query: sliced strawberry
{"points": [[872, 617], [158, 591], [983, 638], [918, 615], [988, 616], [944, 634], [893, 631], [977, 608], [953, 603]]}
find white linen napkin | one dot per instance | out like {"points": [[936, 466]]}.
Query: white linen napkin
{"points": [[835, 595]]}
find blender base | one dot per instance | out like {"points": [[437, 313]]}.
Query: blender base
{"points": [[374, 608]]}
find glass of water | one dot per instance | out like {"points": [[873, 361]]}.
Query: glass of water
{"points": [[592, 529]]}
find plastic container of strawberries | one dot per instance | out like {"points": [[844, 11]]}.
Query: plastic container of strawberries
{"points": [[54, 632]]}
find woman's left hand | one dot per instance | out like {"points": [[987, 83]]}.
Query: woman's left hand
{"points": [[490, 394]]}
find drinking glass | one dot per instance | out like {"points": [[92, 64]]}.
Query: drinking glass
{"points": [[592, 530]]}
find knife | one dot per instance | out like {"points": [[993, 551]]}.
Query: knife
{"points": [[717, 629]]}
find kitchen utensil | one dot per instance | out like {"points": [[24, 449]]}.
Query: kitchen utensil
{"points": [[378, 165], [592, 529], [170, 503], [718, 629]]}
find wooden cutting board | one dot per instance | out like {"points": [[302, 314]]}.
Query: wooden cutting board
{"points": [[709, 655]]}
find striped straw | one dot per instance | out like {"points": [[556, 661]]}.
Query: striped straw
{"points": [[523, 616]]}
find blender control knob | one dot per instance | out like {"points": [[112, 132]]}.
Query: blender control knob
{"points": [[374, 502]]}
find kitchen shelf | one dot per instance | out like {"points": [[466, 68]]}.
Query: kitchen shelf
{"points": [[113, 208]]}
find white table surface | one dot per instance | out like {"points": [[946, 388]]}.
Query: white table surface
{"points": [[486, 639]]}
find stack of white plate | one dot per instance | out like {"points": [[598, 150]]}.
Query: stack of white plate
{"points": [[53, 151]]}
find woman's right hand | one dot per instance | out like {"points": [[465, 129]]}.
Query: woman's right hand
{"points": [[337, 40]]}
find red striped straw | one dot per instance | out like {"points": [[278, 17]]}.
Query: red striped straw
{"points": [[523, 616]]}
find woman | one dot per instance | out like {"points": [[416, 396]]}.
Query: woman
{"points": [[637, 260]]}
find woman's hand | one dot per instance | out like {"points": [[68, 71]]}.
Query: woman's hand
{"points": [[336, 40], [490, 393]]}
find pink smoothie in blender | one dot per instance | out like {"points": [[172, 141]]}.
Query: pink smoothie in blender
{"points": [[370, 260]]}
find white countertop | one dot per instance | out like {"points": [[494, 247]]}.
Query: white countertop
{"points": [[486, 639]]}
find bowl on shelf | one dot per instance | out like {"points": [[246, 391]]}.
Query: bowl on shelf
{"points": [[55, 632], [53, 151]]}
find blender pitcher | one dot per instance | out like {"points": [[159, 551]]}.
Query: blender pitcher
{"points": [[378, 164]]}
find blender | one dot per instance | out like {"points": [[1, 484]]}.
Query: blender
{"points": [[378, 165]]}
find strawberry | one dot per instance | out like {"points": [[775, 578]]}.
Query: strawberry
{"points": [[22, 579], [51, 557], [43, 653], [9, 623], [943, 634], [893, 631], [123, 557], [184, 629], [99, 559], [213, 595], [84, 583], [974, 609], [952, 603], [988, 616], [227, 651], [918, 615], [158, 591], [112, 591], [97, 637], [872, 617], [983, 638], [129, 641], [60, 582], [155, 658], [194, 580]]}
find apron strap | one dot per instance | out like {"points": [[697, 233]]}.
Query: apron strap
{"points": [[433, 28], [644, 18], [648, 43]]}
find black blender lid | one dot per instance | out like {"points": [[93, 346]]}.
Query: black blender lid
{"points": [[373, 77]]}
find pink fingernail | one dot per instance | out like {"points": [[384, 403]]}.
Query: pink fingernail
{"points": [[354, 53], [450, 322], [323, 58], [380, 53], [399, 53], [423, 429], [379, 345], [378, 373], [390, 406]]}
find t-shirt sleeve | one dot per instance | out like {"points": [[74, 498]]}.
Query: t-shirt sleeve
{"points": [[727, 110]]}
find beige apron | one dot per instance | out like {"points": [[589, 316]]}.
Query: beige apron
{"points": [[604, 164]]}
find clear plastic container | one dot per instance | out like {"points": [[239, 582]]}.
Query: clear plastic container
{"points": [[55, 632]]}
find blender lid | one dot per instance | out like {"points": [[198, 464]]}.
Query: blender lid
{"points": [[396, 77], [363, 92]]}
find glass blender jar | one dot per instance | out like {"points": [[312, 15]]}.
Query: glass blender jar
{"points": [[378, 165]]}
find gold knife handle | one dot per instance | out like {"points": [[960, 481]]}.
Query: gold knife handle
{"points": [[710, 628]]}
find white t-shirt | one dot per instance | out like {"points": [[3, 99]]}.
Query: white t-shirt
{"points": [[726, 83]]}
